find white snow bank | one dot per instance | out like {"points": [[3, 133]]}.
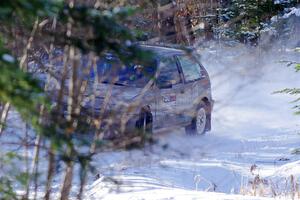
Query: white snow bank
{"points": [[141, 188], [287, 170], [294, 11]]}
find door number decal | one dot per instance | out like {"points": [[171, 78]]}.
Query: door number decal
{"points": [[169, 98]]}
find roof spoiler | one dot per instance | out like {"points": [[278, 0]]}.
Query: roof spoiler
{"points": [[167, 45]]}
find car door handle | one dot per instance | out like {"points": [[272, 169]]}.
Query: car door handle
{"points": [[182, 91]]}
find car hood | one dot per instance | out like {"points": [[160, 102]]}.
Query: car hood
{"points": [[116, 95]]}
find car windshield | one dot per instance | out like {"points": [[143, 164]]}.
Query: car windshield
{"points": [[112, 70]]}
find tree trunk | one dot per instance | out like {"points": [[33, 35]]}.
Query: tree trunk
{"points": [[67, 184], [83, 177], [35, 167], [51, 170], [3, 116]]}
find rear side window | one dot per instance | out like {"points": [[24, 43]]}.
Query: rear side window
{"points": [[190, 68]]}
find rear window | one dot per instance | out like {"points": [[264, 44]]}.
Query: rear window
{"points": [[191, 69]]}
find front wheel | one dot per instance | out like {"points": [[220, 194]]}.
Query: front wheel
{"points": [[199, 122], [145, 121]]}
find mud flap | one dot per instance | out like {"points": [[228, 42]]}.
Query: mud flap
{"points": [[145, 122]]}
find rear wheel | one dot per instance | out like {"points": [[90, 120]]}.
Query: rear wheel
{"points": [[199, 122]]}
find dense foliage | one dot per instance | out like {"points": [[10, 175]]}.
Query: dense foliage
{"points": [[244, 19]]}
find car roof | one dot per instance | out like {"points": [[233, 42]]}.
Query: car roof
{"points": [[161, 50]]}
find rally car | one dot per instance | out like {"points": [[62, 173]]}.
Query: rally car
{"points": [[173, 91]]}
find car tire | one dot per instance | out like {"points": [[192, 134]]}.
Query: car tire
{"points": [[199, 122]]}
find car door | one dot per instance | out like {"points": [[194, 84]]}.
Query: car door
{"points": [[169, 84], [192, 75]]}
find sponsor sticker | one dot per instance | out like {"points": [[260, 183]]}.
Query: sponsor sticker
{"points": [[169, 98]]}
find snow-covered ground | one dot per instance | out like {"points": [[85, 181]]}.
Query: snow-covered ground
{"points": [[248, 151]]}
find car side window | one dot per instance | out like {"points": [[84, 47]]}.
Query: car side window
{"points": [[190, 68], [168, 72]]}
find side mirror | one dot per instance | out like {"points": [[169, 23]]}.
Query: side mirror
{"points": [[163, 82]]}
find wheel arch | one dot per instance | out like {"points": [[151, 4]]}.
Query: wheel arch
{"points": [[207, 103]]}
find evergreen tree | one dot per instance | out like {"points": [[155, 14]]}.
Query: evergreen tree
{"points": [[244, 19]]}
